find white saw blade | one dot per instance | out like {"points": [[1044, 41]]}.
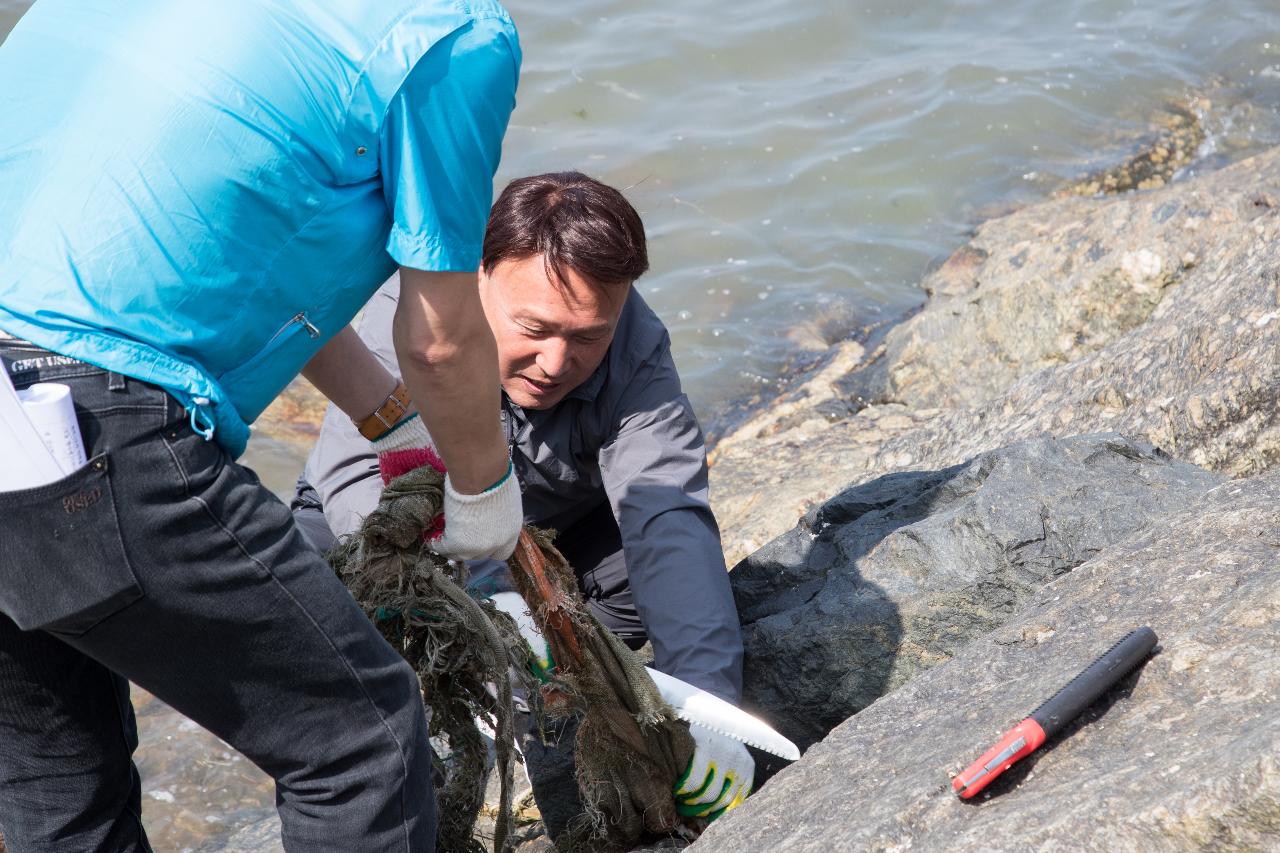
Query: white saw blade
{"points": [[700, 708]]}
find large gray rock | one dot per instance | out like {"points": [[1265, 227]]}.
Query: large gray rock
{"points": [[1183, 755], [1155, 314], [262, 836], [897, 575]]}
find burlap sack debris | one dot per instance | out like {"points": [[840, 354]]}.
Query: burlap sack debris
{"points": [[630, 748]]}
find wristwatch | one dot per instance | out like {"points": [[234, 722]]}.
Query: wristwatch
{"points": [[387, 415]]}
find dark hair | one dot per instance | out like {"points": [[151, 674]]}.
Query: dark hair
{"points": [[572, 221]]}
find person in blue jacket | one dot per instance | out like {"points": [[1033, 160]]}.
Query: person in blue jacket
{"points": [[195, 200]]}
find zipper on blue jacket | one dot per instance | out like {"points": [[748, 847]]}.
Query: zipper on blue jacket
{"points": [[247, 371], [297, 322], [299, 318]]}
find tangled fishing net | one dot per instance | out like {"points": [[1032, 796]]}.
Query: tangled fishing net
{"points": [[630, 748]]}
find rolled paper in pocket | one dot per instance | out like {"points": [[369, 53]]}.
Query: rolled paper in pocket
{"points": [[49, 408], [27, 462]]}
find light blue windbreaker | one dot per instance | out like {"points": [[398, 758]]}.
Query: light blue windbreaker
{"points": [[199, 195]]}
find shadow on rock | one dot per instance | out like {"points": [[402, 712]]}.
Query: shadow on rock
{"points": [[774, 590], [896, 575]]}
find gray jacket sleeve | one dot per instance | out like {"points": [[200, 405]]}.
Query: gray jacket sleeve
{"points": [[654, 469], [342, 466]]}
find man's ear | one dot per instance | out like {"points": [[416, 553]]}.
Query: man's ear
{"points": [[482, 288]]}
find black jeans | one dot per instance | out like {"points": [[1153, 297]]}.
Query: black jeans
{"points": [[164, 562]]}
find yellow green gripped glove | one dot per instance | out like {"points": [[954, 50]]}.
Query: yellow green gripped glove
{"points": [[718, 778]]}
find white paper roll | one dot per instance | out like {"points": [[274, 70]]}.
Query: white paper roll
{"points": [[49, 408], [25, 462]]}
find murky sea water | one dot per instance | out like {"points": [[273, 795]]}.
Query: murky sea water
{"points": [[799, 167]]}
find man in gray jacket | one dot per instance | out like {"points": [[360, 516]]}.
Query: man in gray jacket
{"points": [[604, 443]]}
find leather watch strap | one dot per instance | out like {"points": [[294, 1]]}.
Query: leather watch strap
{"points": [[387, 415]]}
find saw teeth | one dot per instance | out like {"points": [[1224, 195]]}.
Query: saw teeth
{"points": [[702, 725]]}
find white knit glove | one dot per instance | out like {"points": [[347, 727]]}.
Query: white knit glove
{"points": [[483, 525], [471, 526], [718, 778]]}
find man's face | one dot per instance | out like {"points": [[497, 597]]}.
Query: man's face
{"points": [[551, 335]]}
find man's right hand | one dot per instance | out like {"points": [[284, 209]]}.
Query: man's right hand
{"points": [[483, 525], [470, 527]]}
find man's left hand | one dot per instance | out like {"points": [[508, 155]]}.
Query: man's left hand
{"points": [[718, 778]]}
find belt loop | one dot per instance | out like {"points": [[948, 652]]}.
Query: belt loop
{"points": [[115, 382]]}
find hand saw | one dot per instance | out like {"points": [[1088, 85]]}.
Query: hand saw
{"points": [[1061, 708], [699, 708]]}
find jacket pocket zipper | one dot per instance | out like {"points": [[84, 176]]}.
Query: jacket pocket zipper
{"points": [[296, 323], [299, 319]]}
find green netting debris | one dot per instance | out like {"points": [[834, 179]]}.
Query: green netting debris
{"points": [[461, 653], [630, 748]]}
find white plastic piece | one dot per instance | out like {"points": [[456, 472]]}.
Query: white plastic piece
{"points": [[27, 460], [512, 604], [49, 408]]}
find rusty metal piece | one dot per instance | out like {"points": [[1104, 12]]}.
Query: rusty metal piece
{"points": [[530, 559]]}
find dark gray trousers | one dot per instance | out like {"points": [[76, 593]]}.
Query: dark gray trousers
{"points": [[163, 562]]}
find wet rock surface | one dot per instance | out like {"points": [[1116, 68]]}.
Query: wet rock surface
{"points": [[294, 416], [1170, 143], [896, 575], [1155, 314], [262, 836], [1181, 755]]}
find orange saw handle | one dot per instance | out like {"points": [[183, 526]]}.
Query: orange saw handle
{"points": [[1017, 743]]}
